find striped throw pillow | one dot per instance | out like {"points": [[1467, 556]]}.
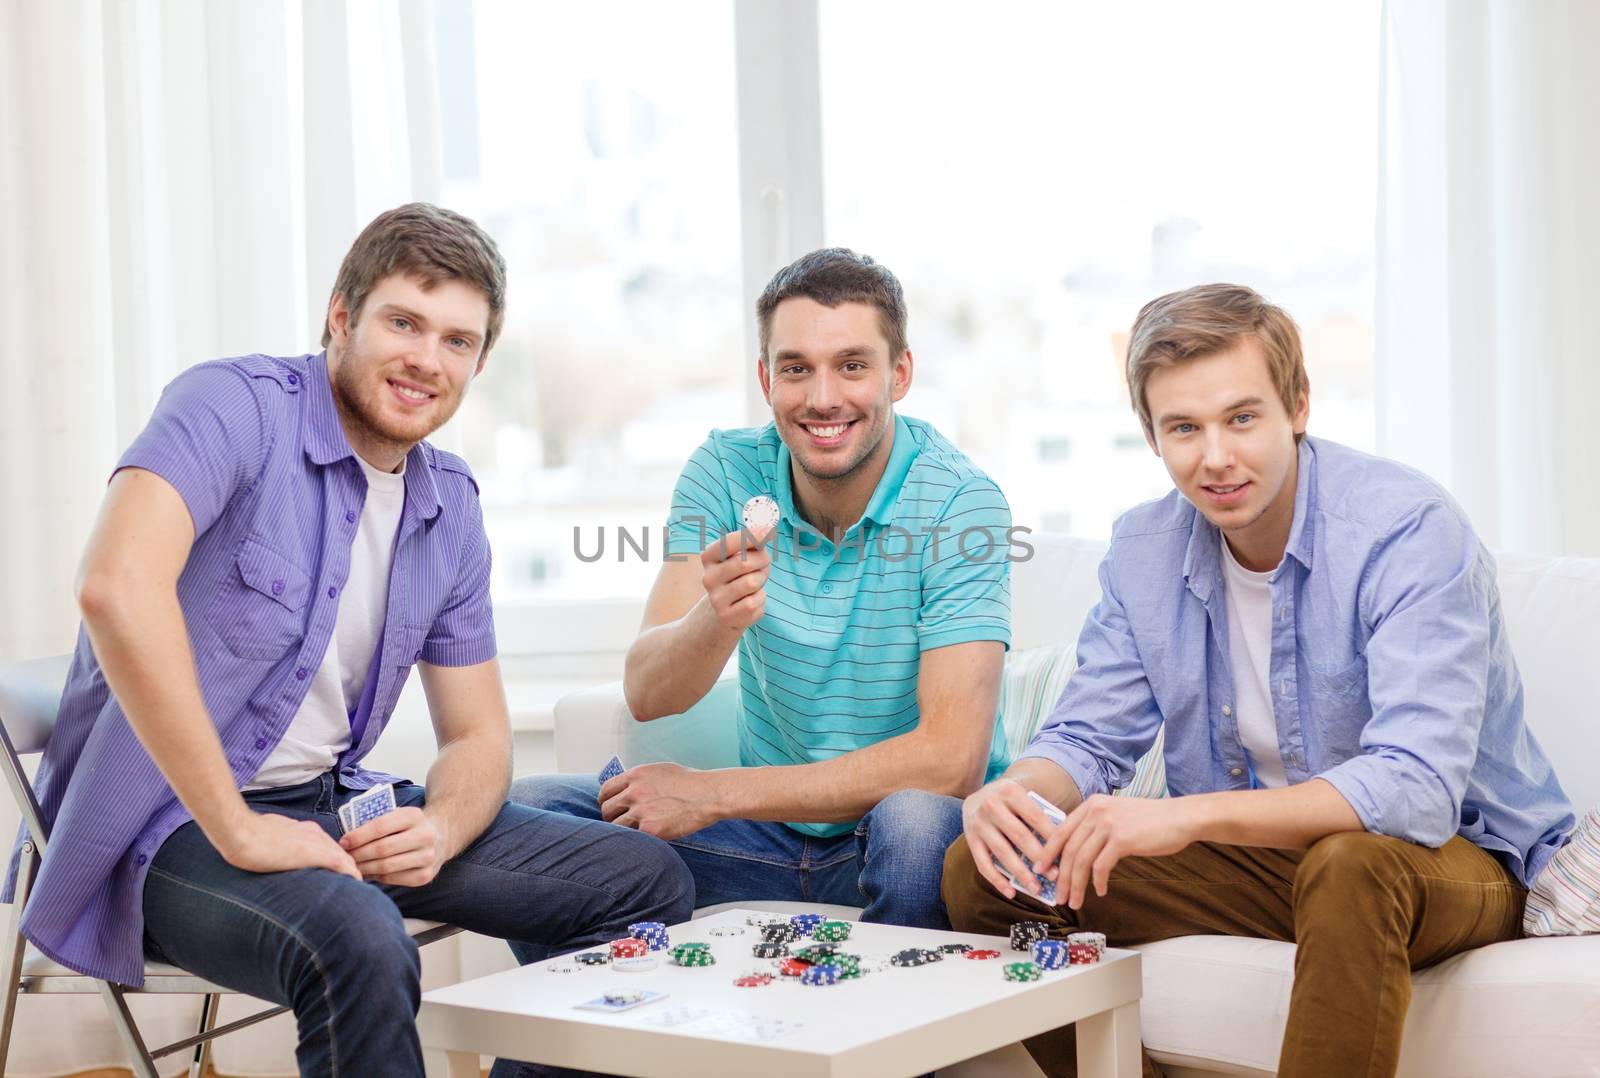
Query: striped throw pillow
{"points": [[1029, 688], [1565, 899]]}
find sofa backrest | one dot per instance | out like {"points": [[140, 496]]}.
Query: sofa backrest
{"points": [[1552, 609]]}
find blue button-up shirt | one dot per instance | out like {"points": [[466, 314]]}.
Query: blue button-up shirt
{"points": [[1391, 676], [255, 447]]}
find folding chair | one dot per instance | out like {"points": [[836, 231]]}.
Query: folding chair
{"points": [[30, 695]]}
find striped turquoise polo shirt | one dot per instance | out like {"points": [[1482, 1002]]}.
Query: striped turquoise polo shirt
{"points": [[832, 665]]}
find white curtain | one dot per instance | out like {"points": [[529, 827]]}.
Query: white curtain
{"points": [[178, 182], [1488, 365]]}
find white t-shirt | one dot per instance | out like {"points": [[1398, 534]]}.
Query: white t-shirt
{"points": [[1250, 654], [320, 730]]}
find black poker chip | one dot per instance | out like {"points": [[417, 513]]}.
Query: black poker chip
{"points": [[954, 948], [780, 933], [592, 958], [770, 949], [915, 956]]}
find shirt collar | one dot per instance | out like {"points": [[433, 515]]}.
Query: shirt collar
{"points": [[885, 496], [1202, 567], [327, 443]]}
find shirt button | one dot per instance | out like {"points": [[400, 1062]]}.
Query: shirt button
{"points": [[349, 516], [277, 587], [1226, 711], [142, 859], [332, 592], [261, 742], [300, 674], [1236, 771], [826, 588], [294, 379]]}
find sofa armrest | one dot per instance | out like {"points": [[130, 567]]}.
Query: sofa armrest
{"points": [[593, 725]]}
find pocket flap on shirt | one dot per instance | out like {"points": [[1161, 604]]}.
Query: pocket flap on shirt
{"points": [[273, 575]]}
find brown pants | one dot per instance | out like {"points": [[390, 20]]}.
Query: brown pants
{"points": [[1364, 910]]}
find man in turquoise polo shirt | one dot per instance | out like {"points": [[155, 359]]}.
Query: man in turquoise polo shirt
{"points": [[870, 624]]}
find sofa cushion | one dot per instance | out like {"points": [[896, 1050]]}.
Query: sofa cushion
{"points": [[1565, 899], [1029, 688], [1530, 1006]]}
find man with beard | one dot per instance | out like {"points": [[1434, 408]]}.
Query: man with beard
{"points": [[274, 553], [870, 620]]}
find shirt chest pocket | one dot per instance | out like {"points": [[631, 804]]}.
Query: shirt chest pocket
{"points": [[259, 611]]}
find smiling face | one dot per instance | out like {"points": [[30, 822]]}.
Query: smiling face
{"points": [[1229, 444], [402, 368], [832, 385]]}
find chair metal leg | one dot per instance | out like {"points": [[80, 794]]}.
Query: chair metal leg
{"points": [[12, 947], [208, 1020], [138, 1056]]}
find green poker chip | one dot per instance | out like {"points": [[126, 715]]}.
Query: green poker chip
{"points": [[1022, 971]]}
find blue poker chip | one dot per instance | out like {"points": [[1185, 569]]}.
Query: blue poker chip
{"points": [[820, 975], [1050, 954]]}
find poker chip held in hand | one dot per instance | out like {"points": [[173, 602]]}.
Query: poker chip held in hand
{"points": [[760, 514]]}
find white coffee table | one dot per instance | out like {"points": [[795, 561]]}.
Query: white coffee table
{"points": [[900, 1021]]}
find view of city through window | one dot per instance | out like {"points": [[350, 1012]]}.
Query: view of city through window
{"points": [[1032, 177]]}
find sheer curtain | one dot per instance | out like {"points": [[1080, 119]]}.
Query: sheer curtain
{"points": [[1489, 259], [178, 182]]}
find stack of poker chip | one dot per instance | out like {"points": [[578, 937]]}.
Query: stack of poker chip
{"points": [[762, 920], [915, 956], [770, 949], [831, 931], [780, 933], [817, 952], [804, 923], [727, 930], [848, 965], [1025, 934], [1086, 948], [591, 958], [1022, 971], [792, 967], [654, 933], [630, 953], [820, 975], [982, 954], [693, 954], [1049, 954], [954, 948]]}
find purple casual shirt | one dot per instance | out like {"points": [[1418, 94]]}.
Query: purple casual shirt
{"points": [[255, 447]]}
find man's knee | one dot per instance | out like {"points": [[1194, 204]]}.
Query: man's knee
{"points": [[914, 825], [572, 795], [360, 938], [669, 881], [1348, 871]]}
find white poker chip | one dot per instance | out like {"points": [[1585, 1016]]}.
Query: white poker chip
{"points": [[633, 964], [760, 514], [562, 968], [761, 920], [726, 930]]}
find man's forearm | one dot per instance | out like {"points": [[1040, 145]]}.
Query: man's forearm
{"points": [[1286, 818], [670, 667], [142, 644], [846, 787], [1049, 780], [467, 785]]}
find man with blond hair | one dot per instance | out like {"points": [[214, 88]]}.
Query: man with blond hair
{"points": [[1320, 634], [276, 550]]}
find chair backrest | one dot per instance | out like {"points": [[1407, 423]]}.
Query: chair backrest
{"points": [[30, 695]]}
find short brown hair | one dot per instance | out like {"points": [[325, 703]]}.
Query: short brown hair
{"points": [[427, 242], [1205, 320], [832, 276]]}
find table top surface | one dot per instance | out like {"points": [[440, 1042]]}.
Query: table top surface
{"points": [[951, 997]]}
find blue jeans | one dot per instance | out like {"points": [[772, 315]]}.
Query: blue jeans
{"points": [[334, 949], [891, 863]]}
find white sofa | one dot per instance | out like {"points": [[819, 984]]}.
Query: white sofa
{"points": [[1216, 1005]]}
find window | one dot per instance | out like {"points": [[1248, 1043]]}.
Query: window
{"points": [[1035, 174]]}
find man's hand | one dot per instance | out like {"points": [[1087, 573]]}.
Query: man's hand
{"points": [[404, 847], [1001, 821], [268, 842], [664, 800], [1103, 830], [734, 574]]}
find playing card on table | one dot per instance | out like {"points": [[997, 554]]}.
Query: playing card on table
{"points": [[367, 805], [621, 1001], [1047, 887], [611, 770]]}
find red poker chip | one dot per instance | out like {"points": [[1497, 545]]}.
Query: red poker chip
{"points": [[629, 948], [793, 967], [980, 954], [758, 980]]}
